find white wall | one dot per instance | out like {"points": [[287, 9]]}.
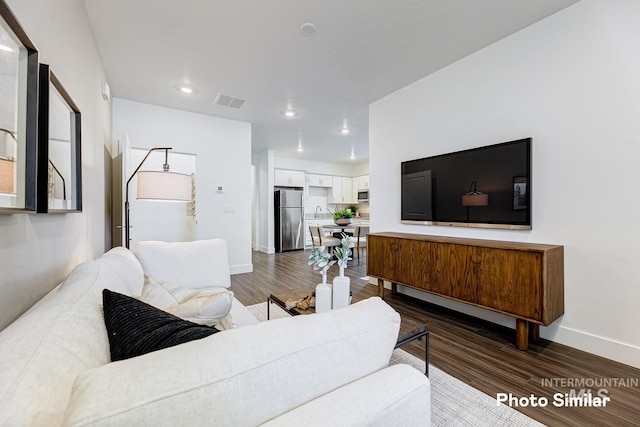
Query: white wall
{"points": [[263, 209], [223, 158], [572, 83], [38, 251]]}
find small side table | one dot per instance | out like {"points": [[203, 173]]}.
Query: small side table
{"points": [[417, 333], [280, 299]]}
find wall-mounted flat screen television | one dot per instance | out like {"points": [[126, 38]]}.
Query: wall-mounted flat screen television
{"points": [[482, 187]]}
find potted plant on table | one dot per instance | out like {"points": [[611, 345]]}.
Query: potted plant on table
{"points": [[321, 260], [342, 216]]}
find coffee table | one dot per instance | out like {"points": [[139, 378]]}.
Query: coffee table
{"points": [[407, 333], [280, 299]]}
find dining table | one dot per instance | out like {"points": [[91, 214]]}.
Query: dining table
{"points": [[339, 229]]}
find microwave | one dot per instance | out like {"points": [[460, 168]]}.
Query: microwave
{"points": [[363, 195]]}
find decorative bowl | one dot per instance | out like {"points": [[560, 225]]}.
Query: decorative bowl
{"points": [[343, 221]]}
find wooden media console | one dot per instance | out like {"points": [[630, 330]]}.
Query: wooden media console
{"points": [[521, 280]]}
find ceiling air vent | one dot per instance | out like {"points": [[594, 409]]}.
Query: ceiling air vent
{"points": [[229, 101]]}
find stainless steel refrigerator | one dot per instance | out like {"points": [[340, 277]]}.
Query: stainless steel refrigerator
{"points": [[289, 218]]}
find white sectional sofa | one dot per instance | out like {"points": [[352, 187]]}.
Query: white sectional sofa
{"points": [[319, 370]]}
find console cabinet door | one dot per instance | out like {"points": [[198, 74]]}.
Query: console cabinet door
{"points": [[415, 262], [385, 253], [511, 281], [454, 271], [403, 261]]}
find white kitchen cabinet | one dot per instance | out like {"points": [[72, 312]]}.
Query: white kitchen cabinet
{"points": [[361, 182], [347, 191], [320, 180], [335, 193], [341, 191], [288, 178]]}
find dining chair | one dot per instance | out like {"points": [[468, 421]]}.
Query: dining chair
{"points": [[359, 239], [318, 238]]}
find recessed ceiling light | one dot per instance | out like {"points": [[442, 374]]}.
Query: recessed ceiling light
{"points": [[289, 113], [353, 154], [186, 89], [5, 48], [299, 150], [345, 131], [307, 29]]}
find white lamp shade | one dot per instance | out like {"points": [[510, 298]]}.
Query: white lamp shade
{"points": [[156, 185]]}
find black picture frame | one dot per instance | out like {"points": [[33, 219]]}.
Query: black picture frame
{"points": [[56, 111], [23, 129], [520, 193]]}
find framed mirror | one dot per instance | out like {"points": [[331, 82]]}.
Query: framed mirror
{"points": [[18, 116], [59, 149]]}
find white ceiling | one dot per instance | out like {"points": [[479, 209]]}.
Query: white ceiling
{"points": [[253, 49]]}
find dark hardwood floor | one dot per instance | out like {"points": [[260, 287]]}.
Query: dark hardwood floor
{"points": [[476, 352]]}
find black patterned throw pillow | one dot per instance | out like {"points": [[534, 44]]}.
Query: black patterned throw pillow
{"points": [[136, 328]]}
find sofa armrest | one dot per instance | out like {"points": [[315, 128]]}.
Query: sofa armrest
{"points": [[241, 316], [395, 396]]}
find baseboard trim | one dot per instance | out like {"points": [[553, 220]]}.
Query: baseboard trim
{"points": [[600, 346], [239, 269], [266, 250]]}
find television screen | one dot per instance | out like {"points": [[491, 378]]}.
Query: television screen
{"points": [[483, 187]]}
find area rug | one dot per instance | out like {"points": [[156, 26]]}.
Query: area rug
{"points": [[453, 403]]}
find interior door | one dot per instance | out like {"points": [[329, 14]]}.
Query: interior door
{"points": [[121, 152]]}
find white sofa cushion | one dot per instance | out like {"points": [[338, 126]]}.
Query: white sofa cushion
{"points": [[157, 294], [43, 351], [204, 309], [399, 395], [125, 264], [262, 372], [205, 306], [197, 264]]}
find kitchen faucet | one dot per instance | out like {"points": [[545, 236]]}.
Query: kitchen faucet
{"points": [[315, 215]]}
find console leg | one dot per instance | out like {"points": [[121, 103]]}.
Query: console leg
{"points": [[381, 288], [522, 334], [394, 288]]}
